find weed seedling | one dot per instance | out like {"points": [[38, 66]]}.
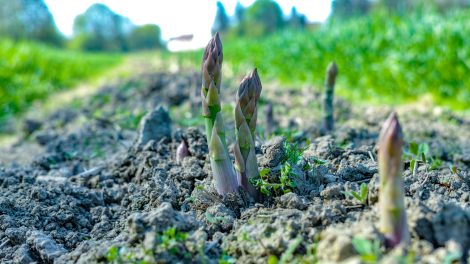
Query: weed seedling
{"points": [[419, 153], [170, 239], [361, 196], [286, 181], [369, 251]]}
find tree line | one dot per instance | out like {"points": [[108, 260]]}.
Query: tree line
{"points": [[262, 18], [345, 9], [98, 29], [101, 29]]}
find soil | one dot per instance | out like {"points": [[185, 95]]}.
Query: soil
{"points": [[98, 182]]}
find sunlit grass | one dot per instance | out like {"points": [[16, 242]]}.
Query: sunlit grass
{"points": [[382, 59], [31, 72]]}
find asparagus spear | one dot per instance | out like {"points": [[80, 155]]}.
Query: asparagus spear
{"points": [[391, 197], [328, 117], [246, 110], [222, 168]]}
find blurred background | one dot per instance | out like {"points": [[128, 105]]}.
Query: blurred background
{"points": [[388, 51]]}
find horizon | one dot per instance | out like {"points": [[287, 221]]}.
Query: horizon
{"points": [[168, 15]]}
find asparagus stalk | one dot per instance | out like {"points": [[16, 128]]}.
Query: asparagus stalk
{"points": [[328, 117], [246, 112], [222, 168], [391, 197]]}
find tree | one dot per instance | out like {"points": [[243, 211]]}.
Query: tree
{"points": [[221, 22], [239, 12], [297, 20], [262, 18], [145, 37], [28, 19], [100, 29], [349, 8]]}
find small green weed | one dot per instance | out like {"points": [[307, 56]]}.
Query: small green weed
{"points": [[288, 255], [361, 196], [369, 251], [293, 153], [419, 153], [170, 240], [286, 181], [285, 185]]}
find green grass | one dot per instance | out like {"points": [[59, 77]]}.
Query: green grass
{"points": [[381, 58], [30, 72]]}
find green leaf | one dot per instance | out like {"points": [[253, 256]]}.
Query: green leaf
{"points": [[272, 259], [356, 195], [318, 161], [368, 250], [113, 253], [264, 172], [264, 190], [289, 253], [423, 157], [364, 190], [412, 166], [414, 148], [435, 163], [423, 148]]}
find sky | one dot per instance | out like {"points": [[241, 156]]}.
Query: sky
{"points": [[176, 17]]}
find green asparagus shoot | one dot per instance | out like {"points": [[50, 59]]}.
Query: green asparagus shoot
{"points": [[222, 168], [328, 110], [392, 211], [246, 112]]}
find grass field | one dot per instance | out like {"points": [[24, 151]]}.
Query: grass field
{"points": [[382, 59], [30, 72]]}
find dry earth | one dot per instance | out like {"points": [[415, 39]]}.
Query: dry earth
{"points": [[88, 184]]}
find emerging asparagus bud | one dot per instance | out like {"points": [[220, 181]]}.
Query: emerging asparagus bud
{"points": [[245, 125], [181, 152], [391, 196], [222, 168], [211, 78], [328, 116]]}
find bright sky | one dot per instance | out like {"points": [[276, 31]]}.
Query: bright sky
{"points": [[176, 17]]}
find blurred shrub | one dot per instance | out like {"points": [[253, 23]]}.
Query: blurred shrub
{"points": [[262, 18], [101, 29], [30, 72], [145, 37]]}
